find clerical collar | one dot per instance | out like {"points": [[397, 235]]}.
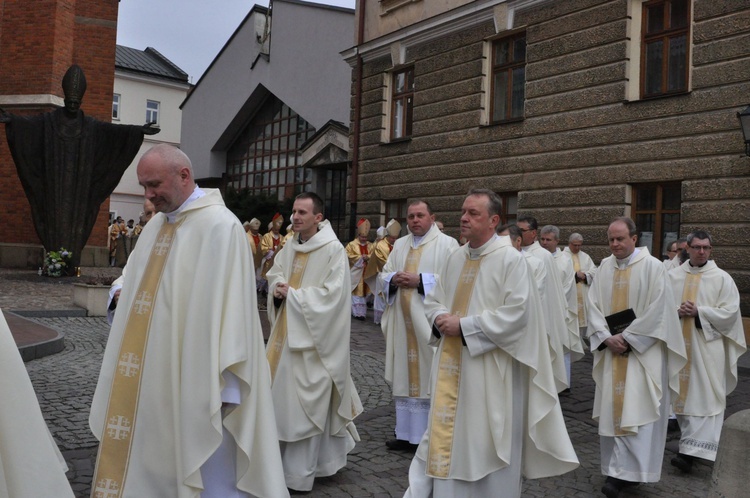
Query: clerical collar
{"points": [[699, 266], [416, 239], [197, 194], [475, 253], [622, 263]]}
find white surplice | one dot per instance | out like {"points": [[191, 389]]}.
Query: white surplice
{"points": [[313, 392], [435, 249], [554, 308], [508, 421], [204, 329], [30, 463], [714, 350], [568, 279], [658, 354]]}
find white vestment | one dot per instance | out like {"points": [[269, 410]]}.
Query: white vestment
{"points": [[568, 279], [714, 350], [587, 266], [434, 247], [554, 308], [204, 329], [313, 392], [30, 463], [653, 365], [508, 421]]}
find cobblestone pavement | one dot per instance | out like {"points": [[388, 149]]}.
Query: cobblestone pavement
{"points": [[65, 382]]}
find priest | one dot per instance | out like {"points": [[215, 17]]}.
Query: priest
{"points": [[585, 270], [183, 404], [308, 351], [407, 277], [549, 238], [708, 304], [636, 370], [495, 415], [359, 252], [551, 310], [381, 250], [554, 304]]}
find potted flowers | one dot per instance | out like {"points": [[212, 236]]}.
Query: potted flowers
{"points": [[57, 263]]}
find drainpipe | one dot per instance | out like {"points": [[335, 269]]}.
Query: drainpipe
{"points": [[356, 127]]}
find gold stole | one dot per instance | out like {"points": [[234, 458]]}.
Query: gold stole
{"points": [[122, 407], [443, 413], [689, 293], [579, 291], [620, 302], [412, 348], [278, 338]]}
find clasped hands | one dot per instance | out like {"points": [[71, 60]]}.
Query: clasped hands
{"points": [[280, 291], [405, 279], [617, 344], [448, 324], [688, 308]]}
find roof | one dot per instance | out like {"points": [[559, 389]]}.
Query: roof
{"points": [[261, 10], [148, 62]]}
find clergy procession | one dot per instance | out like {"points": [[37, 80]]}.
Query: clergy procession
{"points": [[479, 343]]}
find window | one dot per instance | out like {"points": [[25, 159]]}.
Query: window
{"points": [[509, 210], [656, 212], [402, 103], [396, 209], [665, 54], [508, 78], [265, 157], [152, 112], [116, 106]]}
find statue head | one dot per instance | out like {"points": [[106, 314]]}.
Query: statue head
{"points": [[74, 86]]}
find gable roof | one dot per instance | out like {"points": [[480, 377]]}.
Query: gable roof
{"points": [[148, 62]]}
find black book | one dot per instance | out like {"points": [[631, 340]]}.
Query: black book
{"points": [[617, 322]]}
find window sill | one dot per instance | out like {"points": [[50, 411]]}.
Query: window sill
{"points": [[501, 123], [397, 141], [658, 97]]}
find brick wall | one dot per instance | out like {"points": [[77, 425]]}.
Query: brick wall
{"points": [[37, 45]]}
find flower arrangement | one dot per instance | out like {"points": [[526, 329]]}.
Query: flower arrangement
{"points": [[56, 263]]}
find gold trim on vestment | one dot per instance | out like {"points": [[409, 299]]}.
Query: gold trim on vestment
{"points": [[116, 444], [689, 293], [443, 413], [278, 336], [579, 291], [620, 302], [412, 346]]}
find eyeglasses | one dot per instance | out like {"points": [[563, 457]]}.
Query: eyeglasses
{"points": [[701, 248], [526, 229]]}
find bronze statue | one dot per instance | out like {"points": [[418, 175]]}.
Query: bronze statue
{"points": [[69, 164]]}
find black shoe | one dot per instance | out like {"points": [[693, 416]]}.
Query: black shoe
{"points": [[610, 490], [613, 486], [673, 426], [360, 318], [683, 462], [400, 445]]}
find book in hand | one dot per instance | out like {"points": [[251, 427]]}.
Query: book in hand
{"points": [[618, 322]]}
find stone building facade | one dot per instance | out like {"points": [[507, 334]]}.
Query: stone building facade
{"points": [[575, 111], [37, 45]]}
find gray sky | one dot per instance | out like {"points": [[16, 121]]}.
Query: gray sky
{"points": [[190, 33]]}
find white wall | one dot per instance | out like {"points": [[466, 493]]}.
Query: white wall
{"points": [[305, 71]]}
